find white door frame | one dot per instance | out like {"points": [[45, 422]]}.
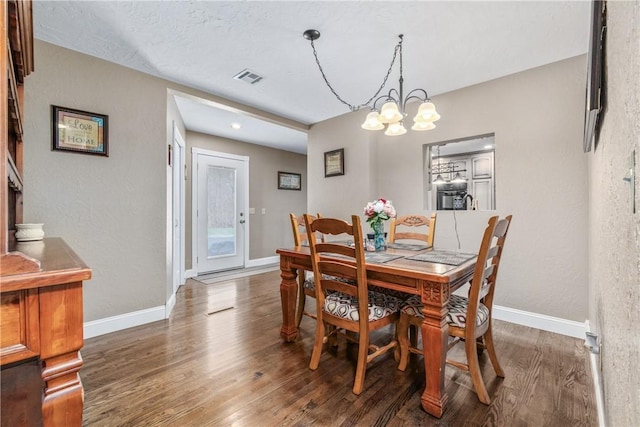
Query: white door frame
{"points": [[195, 151], [178, 177]]}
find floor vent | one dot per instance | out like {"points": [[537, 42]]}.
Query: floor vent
{"points": [[248, 76]]}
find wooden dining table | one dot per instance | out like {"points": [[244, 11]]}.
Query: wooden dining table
{"points": [[433, 281]]}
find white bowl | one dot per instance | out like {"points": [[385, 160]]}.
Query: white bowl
{"points": [[29, 232]]}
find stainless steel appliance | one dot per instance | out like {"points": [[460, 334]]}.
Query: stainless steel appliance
{"points": [[452, 196]]}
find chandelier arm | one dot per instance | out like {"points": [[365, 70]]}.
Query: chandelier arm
{"points": [[384, 81]]}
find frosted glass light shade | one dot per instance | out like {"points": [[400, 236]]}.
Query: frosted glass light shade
{"points": [[458, 178], [395, 129], [426, 113], [389, 113], [372, 122], [423, 126], [439, 180]]}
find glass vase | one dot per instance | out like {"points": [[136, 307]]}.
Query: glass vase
{"points": [[378, 239]]}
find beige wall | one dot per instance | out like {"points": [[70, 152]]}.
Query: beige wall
{"points": [[272, 230], [111, 210], [115, 211], [614, 259], [541, 178]]}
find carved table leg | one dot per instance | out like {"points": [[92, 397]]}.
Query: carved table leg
{"points": [[288, 295], [435, 333]]}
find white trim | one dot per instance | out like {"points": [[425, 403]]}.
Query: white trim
{"points": [[595, 374], [123, 321], [262, 261], [188, 274], [168, 307], [533, 320], [540, 321], [195, 151]]}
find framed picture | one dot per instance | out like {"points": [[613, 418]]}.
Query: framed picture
{"points": [[289, 181], [79, 131], [334, 162]]}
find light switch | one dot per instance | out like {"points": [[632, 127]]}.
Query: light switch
{"points": [[264, 211], [252, 211]]}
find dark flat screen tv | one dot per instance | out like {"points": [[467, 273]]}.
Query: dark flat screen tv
{"points": [[594, 73]]}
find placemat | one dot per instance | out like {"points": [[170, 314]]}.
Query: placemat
{"points": [[374, 257], [379, 258], [407, 246], [443, 257]]}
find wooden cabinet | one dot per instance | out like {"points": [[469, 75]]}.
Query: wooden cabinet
{"points": [[17, 63], [40, 282], [41, 322], [482, 166]]}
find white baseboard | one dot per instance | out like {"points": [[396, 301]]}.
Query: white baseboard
{"points": [[188, 274], [540, 321], [525, 318], [123, 321], [168, 308]]}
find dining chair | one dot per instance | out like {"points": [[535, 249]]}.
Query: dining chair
{"points": [[413, 221], [477, 334], [342, 308], [306, 285]]}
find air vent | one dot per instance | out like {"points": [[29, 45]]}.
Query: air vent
{"points": [[248, 76]]}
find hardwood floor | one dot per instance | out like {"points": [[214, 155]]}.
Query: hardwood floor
{"points": [[230, 367]]}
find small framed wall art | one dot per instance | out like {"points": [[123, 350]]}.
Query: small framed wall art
{"points": [[334, 163], [289, 181], [79, 131]]}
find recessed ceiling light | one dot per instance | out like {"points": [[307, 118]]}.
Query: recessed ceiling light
{"points": [[235, 125], [488, 146]]}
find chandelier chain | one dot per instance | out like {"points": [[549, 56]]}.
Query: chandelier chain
{"points": [[384, 81]]}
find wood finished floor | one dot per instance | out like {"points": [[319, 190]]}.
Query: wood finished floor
{"points": [[231, 368]]}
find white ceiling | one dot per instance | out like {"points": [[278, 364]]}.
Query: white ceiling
{"points": [[203, 44]]}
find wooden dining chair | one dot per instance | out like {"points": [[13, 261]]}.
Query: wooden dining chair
{"points": [[413, 221], [343, 308], [306, 286], [477, 334]]}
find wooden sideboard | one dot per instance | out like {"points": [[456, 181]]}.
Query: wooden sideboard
{"points": [[41, 328]]}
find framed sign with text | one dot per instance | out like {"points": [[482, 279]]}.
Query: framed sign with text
{"points": [[334, 162], [289, 181], [79, 131]]}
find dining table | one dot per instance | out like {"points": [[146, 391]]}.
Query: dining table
{"points": [[412, 269]]}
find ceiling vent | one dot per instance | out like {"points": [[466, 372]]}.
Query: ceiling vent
{"points": [[248, 76]]}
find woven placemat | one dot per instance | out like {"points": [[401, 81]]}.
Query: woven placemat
{"points": [[380, 257], [443, 257], [407, 246]]}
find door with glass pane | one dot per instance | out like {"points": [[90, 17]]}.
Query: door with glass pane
{"points": [[221, 211]]}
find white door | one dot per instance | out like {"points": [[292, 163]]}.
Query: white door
{"points": [[221, 221], [178, 170]]}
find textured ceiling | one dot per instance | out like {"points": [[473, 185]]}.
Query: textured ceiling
{"points": [[203, 44]]}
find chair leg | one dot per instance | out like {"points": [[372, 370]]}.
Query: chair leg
{"points": [[403, 340], [488, 339], [361, 366], [301, 298], [317, 345], [474, 370]]}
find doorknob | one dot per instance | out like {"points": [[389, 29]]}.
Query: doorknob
{"points": [[242, 221]]}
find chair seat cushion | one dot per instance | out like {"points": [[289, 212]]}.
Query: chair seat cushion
{"points": [[396, 294], [346, 306], [457, 306], [310, 284]]}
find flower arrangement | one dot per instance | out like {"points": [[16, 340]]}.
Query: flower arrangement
{"points": [[379, 210]]}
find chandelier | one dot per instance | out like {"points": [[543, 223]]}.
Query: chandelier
{"points": [[446, 168], [387, 110]]}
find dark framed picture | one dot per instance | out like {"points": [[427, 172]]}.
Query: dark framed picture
{"points": [[289, 181], [79, 131], [334, 162], [596, 84]]}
